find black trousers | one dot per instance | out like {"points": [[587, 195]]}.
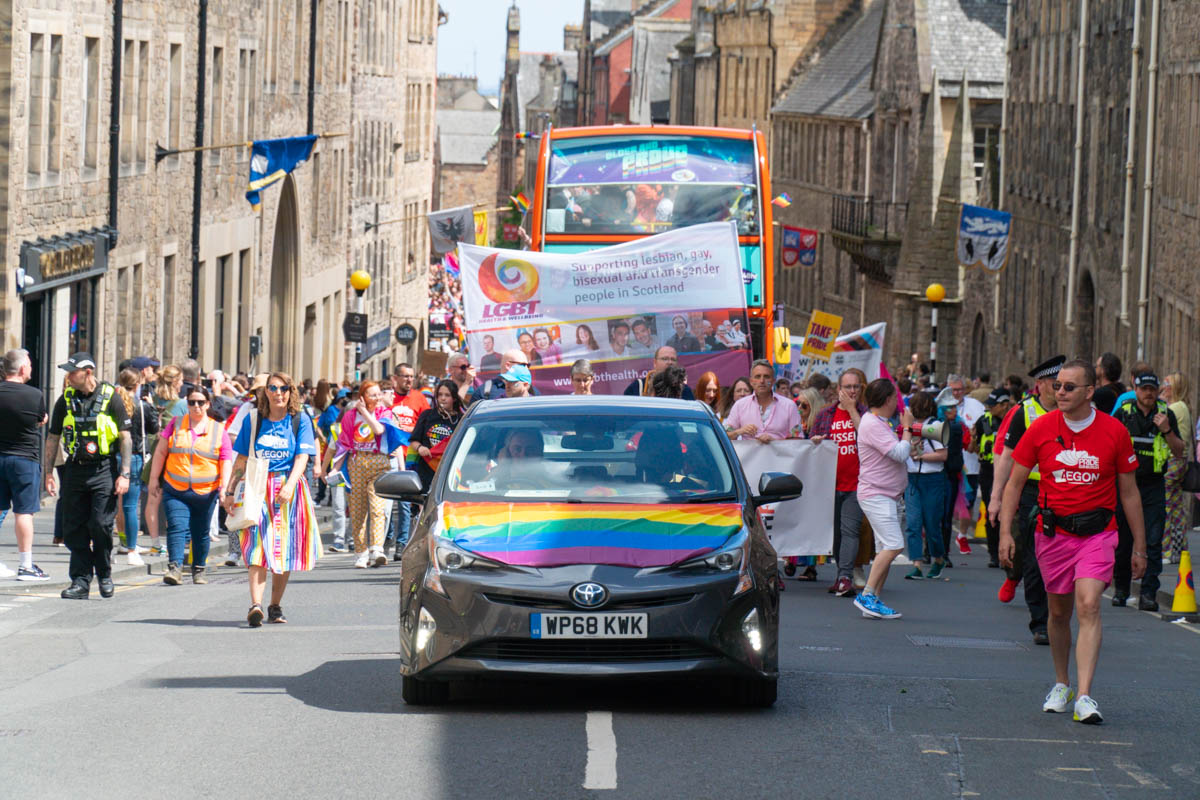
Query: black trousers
{"points": [[987, 475], [1025, 564], [89, 506], [1154, 517]]}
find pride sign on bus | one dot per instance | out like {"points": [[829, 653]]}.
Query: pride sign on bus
{"points": [[614, 306]]}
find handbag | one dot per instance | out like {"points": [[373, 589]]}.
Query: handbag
{"points": [[1191, 477], [251, 490]]}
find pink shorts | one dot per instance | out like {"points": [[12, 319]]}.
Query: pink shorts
{"points": [[1066, 558]]}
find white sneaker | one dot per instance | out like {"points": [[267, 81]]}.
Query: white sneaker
{"points": [[121, 549], [378, 557], [860, 578], [361, 561], [902, 560], [5, 572], [1059, 699], [1087, 712], [134, 559]]}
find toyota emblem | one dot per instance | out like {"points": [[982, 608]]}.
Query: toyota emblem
{"points": [[589, 595]]}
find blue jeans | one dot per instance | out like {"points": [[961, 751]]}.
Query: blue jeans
{"points": [[130, 505], [187, 514], [923, 502], [401, 523]]}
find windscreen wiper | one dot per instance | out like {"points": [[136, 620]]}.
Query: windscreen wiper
{"points": [[724, 498]]}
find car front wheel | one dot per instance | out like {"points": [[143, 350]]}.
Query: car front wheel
{"points": [[417, 692]]}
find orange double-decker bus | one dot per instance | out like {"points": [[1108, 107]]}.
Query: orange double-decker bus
{"points": [[598, 186]]}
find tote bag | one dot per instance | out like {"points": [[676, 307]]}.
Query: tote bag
{"points": [[252, 488]]}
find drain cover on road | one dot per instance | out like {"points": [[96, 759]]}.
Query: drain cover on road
{"points": [[965, 641]]}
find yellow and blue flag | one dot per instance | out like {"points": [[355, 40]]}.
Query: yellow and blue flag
{"points": [[273, 159]]}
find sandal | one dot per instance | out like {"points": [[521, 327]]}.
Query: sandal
{"points": [[275, 614], [255, 616]]}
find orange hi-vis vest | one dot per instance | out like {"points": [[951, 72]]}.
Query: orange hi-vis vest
{"points": [[196, 465]]}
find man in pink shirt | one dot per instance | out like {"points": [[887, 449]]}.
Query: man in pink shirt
{"points": [[763, 415]]}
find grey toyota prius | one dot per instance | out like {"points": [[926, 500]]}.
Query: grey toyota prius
{"points": [[589, 537]]}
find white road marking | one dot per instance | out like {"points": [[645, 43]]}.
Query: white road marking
{"points": [[601, 772], [1138, 774], [26, 598]]}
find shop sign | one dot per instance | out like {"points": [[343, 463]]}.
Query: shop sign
{"points": [[62, 259]]}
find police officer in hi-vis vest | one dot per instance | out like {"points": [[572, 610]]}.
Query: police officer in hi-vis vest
{"points": [[983, 442], [1156, 439], [91, 421], [1024, 563]]}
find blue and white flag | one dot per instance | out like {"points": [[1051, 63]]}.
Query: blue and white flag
{"points": [[983, 238], [272, 160]]}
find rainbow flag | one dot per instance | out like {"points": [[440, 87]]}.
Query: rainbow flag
{"points": [[435, 455], [617, 534], [525, 135], [783, 201], [520, 201]]}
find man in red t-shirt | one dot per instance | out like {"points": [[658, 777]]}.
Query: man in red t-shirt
{"points": [[407, 406], [840, 422], [1086, 459]]}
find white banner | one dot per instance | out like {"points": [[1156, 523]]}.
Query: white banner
{"points": [[613, 306], [801, 527], [862, 348]]}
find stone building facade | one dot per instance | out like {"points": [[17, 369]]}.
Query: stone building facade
{"points": [[279, 273], [1115, 259]]}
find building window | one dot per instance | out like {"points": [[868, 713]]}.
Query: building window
{"points": [[316, 194], [34, 151], [174, 99], [298, 49], [91, 101], [168, 308], [219, 318], [217, 106], [143, 93], [44, 137], [134, 304]]}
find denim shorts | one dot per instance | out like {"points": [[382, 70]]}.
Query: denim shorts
{"points": [[20, 484]]}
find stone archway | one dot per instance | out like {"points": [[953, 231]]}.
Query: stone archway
{"points": [[1085, 306], [978, 346], [285, 271]]}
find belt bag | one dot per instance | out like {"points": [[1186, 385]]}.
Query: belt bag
{"points": [[1085, 523]]}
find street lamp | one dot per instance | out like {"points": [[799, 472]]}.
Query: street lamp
{"points": [[360, 279], [934, 293]]}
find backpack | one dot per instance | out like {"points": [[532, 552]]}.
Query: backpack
{"points": [[954, 460]]}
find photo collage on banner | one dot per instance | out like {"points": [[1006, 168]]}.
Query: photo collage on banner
{"points": [[614, 307]]}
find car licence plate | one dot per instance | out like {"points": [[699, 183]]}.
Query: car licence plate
{"points": [[587, 626]]}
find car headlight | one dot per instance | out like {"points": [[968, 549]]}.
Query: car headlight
{"points": [[445, 556], [750, 629], [735, 555], [426, 627]]}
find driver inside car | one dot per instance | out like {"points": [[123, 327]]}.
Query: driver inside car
{"points": [[519, 461], [659, 461]]}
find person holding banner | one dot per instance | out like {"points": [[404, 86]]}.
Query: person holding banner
{"points": [[764, 415], [882, 477], [841, 422]]}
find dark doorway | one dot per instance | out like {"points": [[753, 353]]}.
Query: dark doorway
{"points": [[1085, 306], [978, 346]]}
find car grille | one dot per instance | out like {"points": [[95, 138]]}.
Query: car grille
{"points": [[548, 603], [581, 651]]}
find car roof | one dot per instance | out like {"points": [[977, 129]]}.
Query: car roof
{"points": [[550, 405]]}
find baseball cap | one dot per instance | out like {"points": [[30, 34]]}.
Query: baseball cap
{"points": [[997, 396], [141, 362], [1146, 379], [78, 361], [342, 393], [519, 373]]}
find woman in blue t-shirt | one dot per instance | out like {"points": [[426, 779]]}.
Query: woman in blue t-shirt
{"points": [[286, 537]]}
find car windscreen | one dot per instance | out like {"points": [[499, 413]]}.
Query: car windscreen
{"points": [[590, 458]]}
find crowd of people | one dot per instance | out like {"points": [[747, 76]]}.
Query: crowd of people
{"points": [[1079, 478]]}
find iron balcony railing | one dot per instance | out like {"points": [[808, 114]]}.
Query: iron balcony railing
{"points": [[866, 218]]}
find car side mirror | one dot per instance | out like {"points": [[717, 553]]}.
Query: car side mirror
{"points": [[775, 487], [400, 484]]}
